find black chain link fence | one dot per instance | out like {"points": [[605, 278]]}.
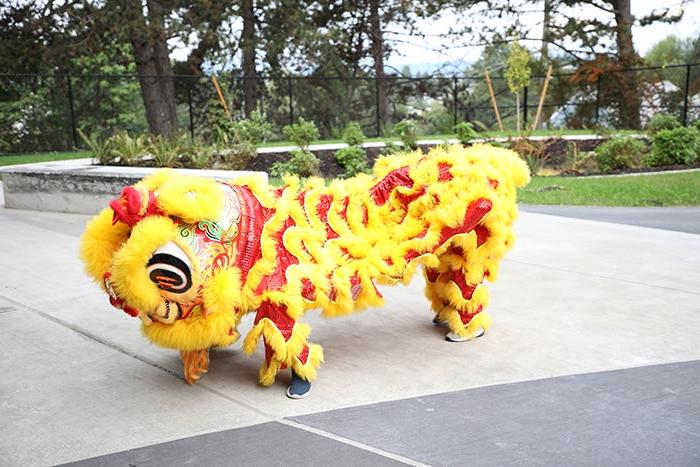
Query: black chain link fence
{"points": [[46, 112]]}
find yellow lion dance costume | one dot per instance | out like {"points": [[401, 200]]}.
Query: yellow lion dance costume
{"points": [[190, 256]]}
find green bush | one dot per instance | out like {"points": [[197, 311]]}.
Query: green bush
{"points": [[352, 159], [353, 135], [660, 122], [465, 132], [302, 163], [253, 130], [677, 146], [302, 133], [619, 153], [407, 131]]}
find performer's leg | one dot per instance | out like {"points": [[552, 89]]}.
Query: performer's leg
{"points": [[286, 346], [457, 304]]}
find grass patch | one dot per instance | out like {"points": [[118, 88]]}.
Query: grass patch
{"points": [[42, 157], [663, 189]]}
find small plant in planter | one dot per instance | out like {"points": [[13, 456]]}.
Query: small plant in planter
{"points": [[533, 152], [302, 162], [353, 158], [101, 148], [129, 150], [407, 131], [465, 133], [578, 162]]}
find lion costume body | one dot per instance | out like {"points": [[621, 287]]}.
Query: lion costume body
{"points": [[190, 256]]}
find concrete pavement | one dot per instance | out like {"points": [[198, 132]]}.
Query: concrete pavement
{"points": [[575, 297]]}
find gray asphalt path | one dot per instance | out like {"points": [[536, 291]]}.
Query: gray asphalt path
{"points": [[641, 416], [682, 219]]}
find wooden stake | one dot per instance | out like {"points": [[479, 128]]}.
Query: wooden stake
{"points": [[493, 99], [221, 96], [542, 96]]}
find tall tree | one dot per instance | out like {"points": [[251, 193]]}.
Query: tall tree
{"points": [[593, 33], [148, 37]]}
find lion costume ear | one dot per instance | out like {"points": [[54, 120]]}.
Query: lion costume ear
{"points": [[222, 292], [188, 198]]}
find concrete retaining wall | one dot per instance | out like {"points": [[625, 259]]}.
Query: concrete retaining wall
{"points": [[78, 186]]}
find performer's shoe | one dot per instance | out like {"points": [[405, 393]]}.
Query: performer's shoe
{"points": [[453, 337], [439, 322], [298, 388]]}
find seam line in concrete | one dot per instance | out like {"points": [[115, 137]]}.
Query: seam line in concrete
{"points": [[350, 442], [628, 281], [153, 364]]}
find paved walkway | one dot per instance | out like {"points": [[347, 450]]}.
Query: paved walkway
{"points": [[593, 359]]}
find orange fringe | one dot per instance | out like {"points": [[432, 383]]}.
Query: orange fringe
{"points": [[194, 364]]}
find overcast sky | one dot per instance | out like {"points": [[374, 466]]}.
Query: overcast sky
{"points": [[422, 50]]}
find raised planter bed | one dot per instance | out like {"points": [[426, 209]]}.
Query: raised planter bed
{"points": [[78, 185]]}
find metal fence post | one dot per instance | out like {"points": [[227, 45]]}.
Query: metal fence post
{"points": [[291, 101], [376, 103], [597, 98], [525, 107], [189, 106], [74, 131], [454, 99], [685, 98]]}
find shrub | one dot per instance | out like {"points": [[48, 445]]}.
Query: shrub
{"points": [[353, 135], [302, 163], [465, 132], [352, 159], [676, 146], [660, 122], [301, 133], [406, 130], [253, 130], [619, 153]]}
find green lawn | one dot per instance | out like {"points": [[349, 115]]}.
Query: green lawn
{"points": [[42, 157], [670, 189]]}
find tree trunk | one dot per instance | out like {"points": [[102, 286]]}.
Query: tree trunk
{"points": [[248, 51], [545, 30], [517, 112], [149, 42], [378, 57], [630, 101]]}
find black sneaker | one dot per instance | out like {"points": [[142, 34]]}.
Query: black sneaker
{"points": [[439, 322], [298, 388]]}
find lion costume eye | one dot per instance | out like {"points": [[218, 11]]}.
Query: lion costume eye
{"points": [[170, 269]]}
